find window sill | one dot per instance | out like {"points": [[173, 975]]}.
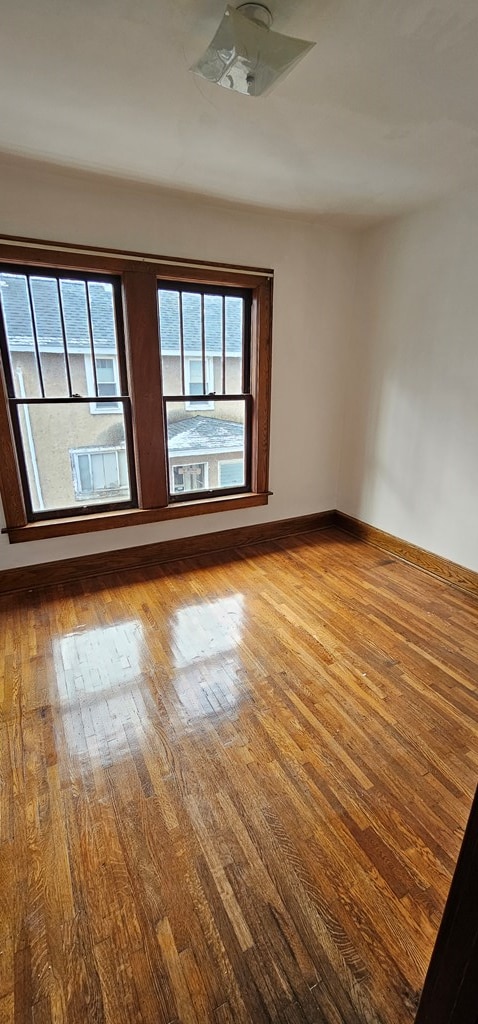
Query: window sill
{"points": [[131, 517]]}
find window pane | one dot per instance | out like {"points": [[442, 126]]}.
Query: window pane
{"points": [[203, 438], [223, 342], [84, 468], [25, 304], [213, 331], [105, 470], [98, 471], [56, 316], [213, 324], [107, 390], [49, 330], [71, 458], [192, 322], [107, 382], [195, 372], [123, 467], [170, 335], [196, 382], [234, 345], [105, 370]]}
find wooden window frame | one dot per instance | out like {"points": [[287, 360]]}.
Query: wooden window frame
{"points": [[221, 396], [139, 275]]}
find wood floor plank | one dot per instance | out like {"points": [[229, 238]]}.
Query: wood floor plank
{"points": [[233, 788]]}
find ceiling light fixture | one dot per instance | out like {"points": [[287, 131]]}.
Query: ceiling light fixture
{"points": [[245, 55]]}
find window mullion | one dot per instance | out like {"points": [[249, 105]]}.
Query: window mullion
{"points": [[260, 371], [144, 368]]}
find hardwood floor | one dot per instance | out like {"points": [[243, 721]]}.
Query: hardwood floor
{"points": [[233, 789]]}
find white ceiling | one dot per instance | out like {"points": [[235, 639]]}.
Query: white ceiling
{"points": [[380, 116]]}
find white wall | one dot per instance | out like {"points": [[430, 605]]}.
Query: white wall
{"points": [[410, 441], [314, 267]]}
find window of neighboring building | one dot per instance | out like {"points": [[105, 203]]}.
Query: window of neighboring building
{"points": [[99, 472], [196, 385], [190, 477], [178, 356], [231, 473], [107, 382]]}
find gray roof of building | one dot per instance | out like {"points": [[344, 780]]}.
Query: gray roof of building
{"points": [[18, 320], [204, 434], [170, 323], [46, 304]]}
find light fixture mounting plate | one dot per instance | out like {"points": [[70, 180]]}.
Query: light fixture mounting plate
{"points": [[256, 12], [246, 55]]}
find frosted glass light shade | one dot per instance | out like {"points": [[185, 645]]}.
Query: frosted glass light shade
{"points": [[248, 57]]}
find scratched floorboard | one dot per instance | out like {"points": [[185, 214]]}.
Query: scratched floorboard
{"points": [[233, 790]]}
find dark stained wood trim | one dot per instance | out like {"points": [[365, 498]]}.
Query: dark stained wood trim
{"points": [[68, 527], [102, 563], [261, 370], [209, 273], [144, 371], [450, 993], [459, 575], [10, 489], [117, 261]]}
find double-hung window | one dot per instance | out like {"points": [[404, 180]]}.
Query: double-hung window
{"points": [[51, 322], [176, 355], [213, 419]]}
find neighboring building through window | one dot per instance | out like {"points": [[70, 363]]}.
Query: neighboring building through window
{"points": [[210, 437]]}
